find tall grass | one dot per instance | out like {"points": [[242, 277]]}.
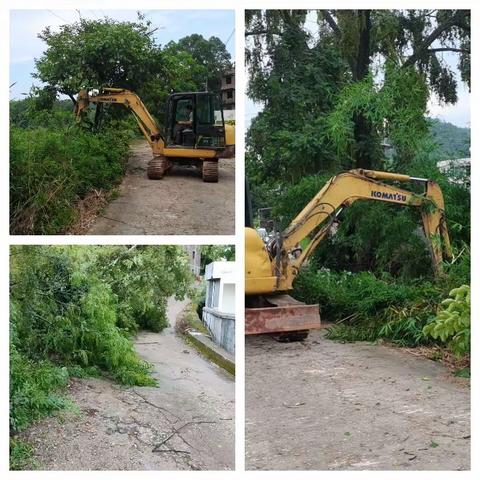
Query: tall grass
{"points": [[54, 163], [367, 306]]}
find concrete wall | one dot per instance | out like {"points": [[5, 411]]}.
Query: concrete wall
{"points": [[222, 328]]}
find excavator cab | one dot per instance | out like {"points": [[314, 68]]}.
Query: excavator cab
{"points": [[194, 120]]}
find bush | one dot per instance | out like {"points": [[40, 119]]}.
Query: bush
{"points": [[53, 166], [21, 455], [452, 323], [34, 389], [368, 307]]}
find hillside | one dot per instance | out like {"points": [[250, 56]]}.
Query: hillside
{"points": [[453, 141]]}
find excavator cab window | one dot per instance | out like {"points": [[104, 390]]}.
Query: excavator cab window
{"points": [[194, 120], [210, 126]]}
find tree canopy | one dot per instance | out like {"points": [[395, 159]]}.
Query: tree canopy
{"points": [[97, 53], [396, 57], [93, 53], [209, 53]]}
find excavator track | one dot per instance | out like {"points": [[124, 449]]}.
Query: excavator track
{"points": [[210, 171], [158, 167]]}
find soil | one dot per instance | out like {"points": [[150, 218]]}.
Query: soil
{"points": [[323, 405], [186, 423], [179, 204]]}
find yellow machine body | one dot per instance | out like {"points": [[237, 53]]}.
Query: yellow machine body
{"points": [[259, 270], [149, 127]]}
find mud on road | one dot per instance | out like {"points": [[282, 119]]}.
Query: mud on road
{"points": [[322, 405], [186, 423], [179, 204]]}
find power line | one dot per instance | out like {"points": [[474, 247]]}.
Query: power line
{"points": [[230, 36], [58, 16]]}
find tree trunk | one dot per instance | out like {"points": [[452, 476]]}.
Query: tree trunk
{"points": [[363, 154]]}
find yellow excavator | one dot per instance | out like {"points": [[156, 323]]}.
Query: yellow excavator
{"points": [[271, 266], [194, 133]]}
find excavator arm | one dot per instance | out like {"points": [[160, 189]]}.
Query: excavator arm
{"points": [[346, 188], [130, 100]]}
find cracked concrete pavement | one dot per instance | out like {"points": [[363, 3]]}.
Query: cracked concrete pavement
{"points": [[323, 405], [180, 203], [186, 423]]}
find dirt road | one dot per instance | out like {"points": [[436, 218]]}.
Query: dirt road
{"points": [[330, 406], [187, 423], [179, 204]]}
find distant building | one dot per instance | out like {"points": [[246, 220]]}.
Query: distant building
{"points": [[228, 91], [194, 253], [457, 169], [219, 311]]}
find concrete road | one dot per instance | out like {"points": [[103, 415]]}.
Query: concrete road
{"points": [[321, 405], [179, 204], [187, 423]]}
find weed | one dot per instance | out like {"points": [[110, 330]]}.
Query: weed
{"points": [[21, 455]]}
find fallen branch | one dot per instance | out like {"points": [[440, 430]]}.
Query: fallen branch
{"points": [[176, 431]]}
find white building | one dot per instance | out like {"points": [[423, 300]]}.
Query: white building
{"points": [[458, 169], [219, 311]]}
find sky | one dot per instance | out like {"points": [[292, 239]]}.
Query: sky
{"points": [[172, 25]]}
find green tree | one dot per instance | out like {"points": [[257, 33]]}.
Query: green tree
{"points": [[212, 253], [209, 53], [95, 53], [405, 40], [297, 81], [375, 46]]}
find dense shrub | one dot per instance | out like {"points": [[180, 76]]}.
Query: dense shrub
{"points": [[365, 306], [52, 167], [452, 323], [34, 388]]}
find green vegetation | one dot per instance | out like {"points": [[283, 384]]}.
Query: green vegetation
{"points": [[452, 323], [56, 163], [367, 306], [353, 94], [213, 253], [452, 141], [73, 311]]}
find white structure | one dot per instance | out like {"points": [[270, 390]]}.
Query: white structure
{"points": [[220, 277], [458, 169], [194, 255], [219, 311]]}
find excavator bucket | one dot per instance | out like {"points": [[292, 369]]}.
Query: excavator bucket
{"points": [[82, 103], [280, 314]]}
